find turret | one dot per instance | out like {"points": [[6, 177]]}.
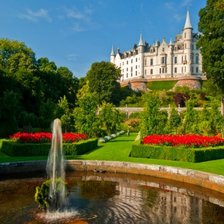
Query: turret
{"points": [[187, 38], [112, 56], [141, 54]]}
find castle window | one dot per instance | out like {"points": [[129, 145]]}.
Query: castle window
{"points": [[131, 69], [196, 59], [127, 62], [145, 62], [151, 71], [145, 72], [136, 59], [136, 73], [160, 70], [131, 60], [163, 60], [175, 60], [126, 69], [127, 75], [196, 69], [136, 66], [151, 61], [175, 70]]}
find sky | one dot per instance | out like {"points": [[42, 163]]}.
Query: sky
{"points": [[77, 33]]}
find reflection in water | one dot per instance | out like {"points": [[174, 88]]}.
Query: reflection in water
{"points": [[109, 198]]}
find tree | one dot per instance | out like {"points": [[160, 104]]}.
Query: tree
{"points": [[85, 115], [63, 112], [102, 78], [153, 120], [211, 41], [110, 118]]}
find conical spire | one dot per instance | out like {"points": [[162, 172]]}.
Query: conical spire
{"points": [[188, 21], [112, 51], [140, 41]]}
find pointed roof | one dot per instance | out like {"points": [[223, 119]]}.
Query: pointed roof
{"points": [[171, 42], [188, 21], [140, 41], [112, 51]]}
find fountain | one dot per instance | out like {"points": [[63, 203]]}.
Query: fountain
{"points": [[56, 169]]}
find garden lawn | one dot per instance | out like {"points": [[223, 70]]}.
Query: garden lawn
{"points": [[118, 149]]}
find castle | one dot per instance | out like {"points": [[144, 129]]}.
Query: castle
{"points": [[179, 60]]}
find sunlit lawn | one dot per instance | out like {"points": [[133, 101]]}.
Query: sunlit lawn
{"points": [[118, 150]]}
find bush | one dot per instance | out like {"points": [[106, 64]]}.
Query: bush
{"points": [[177, 153], [12, 148]]}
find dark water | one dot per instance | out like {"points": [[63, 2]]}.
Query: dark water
{"points": [[112, 198]]}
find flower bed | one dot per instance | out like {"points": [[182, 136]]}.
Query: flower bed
{"points": [[184, 140], [191, 148], [41, 137], [39, 144]]}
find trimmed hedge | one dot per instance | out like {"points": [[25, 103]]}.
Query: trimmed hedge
{"points": [[177, 153], [13, 148]]}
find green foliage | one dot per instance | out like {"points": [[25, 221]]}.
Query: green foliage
{"points": [[191, 120], [30, 88], [174, 121], [41, 196], [110, 118], [64, 113], [81, 147], [161, 85], [85, 115], [177, 153], [133, 124], [12, 148], [153, 120], [211, 42], [102, 78]]}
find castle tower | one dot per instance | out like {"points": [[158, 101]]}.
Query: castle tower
{"points": [[141, 54], [112, 56], [187, 40]]}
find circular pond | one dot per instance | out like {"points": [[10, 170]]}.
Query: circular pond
{"points": [[112, 198]]}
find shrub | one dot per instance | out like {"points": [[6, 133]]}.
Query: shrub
{"points": [[13, 148], [133, 124], [177, 153]]}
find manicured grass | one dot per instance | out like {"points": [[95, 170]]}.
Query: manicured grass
{"points": [[161, 85], [118, 150]]}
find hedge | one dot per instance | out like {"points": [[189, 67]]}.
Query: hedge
{"points": [[13, 148], [177, 153]]}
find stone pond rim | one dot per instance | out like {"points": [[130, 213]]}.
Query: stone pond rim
{"points": [[206, 180]]}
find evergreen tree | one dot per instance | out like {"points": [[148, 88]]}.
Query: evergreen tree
{"points": [[211, 41]]}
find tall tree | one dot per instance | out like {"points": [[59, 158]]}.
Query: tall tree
{"points": [[102, 78], [211, 41]]}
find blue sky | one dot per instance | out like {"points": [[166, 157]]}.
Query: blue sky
{"points": [[76, 33]]}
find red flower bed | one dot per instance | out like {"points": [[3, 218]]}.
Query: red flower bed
{"points": [[186, 140], [46, 137]]}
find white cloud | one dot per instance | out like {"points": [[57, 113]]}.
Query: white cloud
{"points": [[35, 16], [72, 57], [82, 20], [169, 5], [186, 3], [83, 15]]}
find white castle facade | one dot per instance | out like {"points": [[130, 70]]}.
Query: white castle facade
{"points": [[174, 60]]}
